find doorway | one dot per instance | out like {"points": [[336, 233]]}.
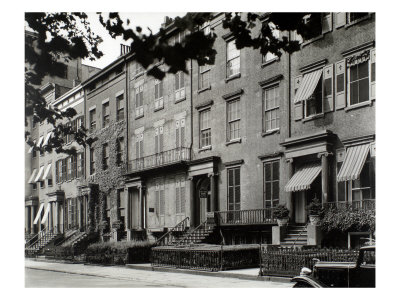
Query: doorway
{"points": [[304, 198], [203, 198]]}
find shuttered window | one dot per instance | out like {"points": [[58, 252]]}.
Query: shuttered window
{"points": [[233, 119], [180, 196], [234, 188], [180, 133], [179, 86], [271, 184], [158, 94], [139, 101]]}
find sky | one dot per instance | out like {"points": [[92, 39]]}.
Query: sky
{"points": [[111, 47]]}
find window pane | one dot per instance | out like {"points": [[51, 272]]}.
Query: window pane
{"points": [[268, 191], [353, 73], [237, 176], [268, 175], [363, 70], [373, 72], [354, 92], [364, 90], [275, 190], [275, 171]]}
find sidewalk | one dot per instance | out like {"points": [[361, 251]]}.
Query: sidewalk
{"points": [[162, 276]]}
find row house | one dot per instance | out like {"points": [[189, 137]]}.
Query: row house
{"points": [[227, 143]]}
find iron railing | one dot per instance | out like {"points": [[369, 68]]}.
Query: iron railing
{"points": [[193, 233], [289, 261], [159, 159], [355, 205], [246, 217], [169, 237]]}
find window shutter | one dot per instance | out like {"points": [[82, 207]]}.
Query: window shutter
{"points": [[57, 173], [328, 88], [156, 96], [183, 199], [177, 198], [182, 80], [298, 111], [137, 148], [141, 147], [177, 81], [340, 84], [161, 139], [340, 19], [182, 132], [373, 74], [162, 201], [157, 200], [156, 141], [327, 23], [177, 134]]}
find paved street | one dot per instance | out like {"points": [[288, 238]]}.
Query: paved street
{"points": [[49, 274]]}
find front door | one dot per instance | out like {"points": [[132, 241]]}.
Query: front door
{"points": [[203, 199], [134, 208], [300, 207]]}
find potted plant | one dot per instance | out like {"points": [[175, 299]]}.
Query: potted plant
{"points": [[315, 211], [281, 213]]}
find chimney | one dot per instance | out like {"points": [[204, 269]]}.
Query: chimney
{"points": [[125, 49], [76, 82]]}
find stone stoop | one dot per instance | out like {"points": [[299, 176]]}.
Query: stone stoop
{"points": [[295, 236]]}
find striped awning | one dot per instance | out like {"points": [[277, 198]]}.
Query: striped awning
{"points": [[32, 176], [307, 86], [303, 178], [39, 141], [353, 162], [38, 213], [39, 174], [47, 173], [46, 140], [31, 148], [46, 213]]}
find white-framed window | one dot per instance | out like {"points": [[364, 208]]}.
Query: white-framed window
{"points": [[120, 150], [233, 126], [106, 114], [105, 154], [139, 101], [204, 76], [158, 94], [271, 108], [363, 188], [233, 175], [80, 164], [232, 59], [270, 56], [92, 119], [205, 128], [180, 195], [120, 107], [271, 183], [179, 86], [360, 77]]}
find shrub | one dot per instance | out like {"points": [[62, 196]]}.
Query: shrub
{"points": [[281, 212], [315, 208], [348, 220]]}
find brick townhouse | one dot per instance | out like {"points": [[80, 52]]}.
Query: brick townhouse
{"points": [[233, 140]]}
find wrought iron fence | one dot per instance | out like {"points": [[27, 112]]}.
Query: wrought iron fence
{"points": [[246, 217], [205, 259], [290, 261], [159, 159], [366, 204]]}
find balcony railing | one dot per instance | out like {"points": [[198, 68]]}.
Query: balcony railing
{"points": [[159, 159], [246, 217], [355, 205]]}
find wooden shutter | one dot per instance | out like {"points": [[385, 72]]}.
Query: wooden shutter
{"points": [[162, 200], [298, 107], [328, 88], [183, 199], [340, 19], [177, 143], [156, 141], [327, 23], [340, 84], [182, 132], [177, 197], [141, 145], [161, 139], [137, 147], [157, 199], [177, 81], [373, 74]]}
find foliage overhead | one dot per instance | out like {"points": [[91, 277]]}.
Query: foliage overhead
{"points": [[60, 37]]}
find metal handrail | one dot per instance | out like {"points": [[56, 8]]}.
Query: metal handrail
{"points": [[36, 237], [169, 232], [246, 216], [298, 236], [190, 233]]}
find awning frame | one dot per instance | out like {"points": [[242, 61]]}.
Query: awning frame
{"points": [[38, 213], [303, 178], [353, 163], [307, 86]]}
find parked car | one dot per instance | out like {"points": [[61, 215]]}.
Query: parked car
{"points": [[340, 274]]}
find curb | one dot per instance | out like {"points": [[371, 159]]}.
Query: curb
{"points": [[214, 274]]}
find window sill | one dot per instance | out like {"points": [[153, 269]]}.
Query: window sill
{"points": [[232, 77], [317, 38], [204, 89], [160, 108], [313, 117], [270, 132], [269, 62], [205, 149], [235, 141], [180, 100], [362, 104], [139, 117], [358, 21]]}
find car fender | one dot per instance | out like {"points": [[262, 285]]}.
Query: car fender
{"points": [[307, 280]]}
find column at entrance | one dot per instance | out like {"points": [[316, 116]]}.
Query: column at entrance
{"points": [[213, 195], [289, 203], [33, 214], [192, 198], [324, 176]]}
